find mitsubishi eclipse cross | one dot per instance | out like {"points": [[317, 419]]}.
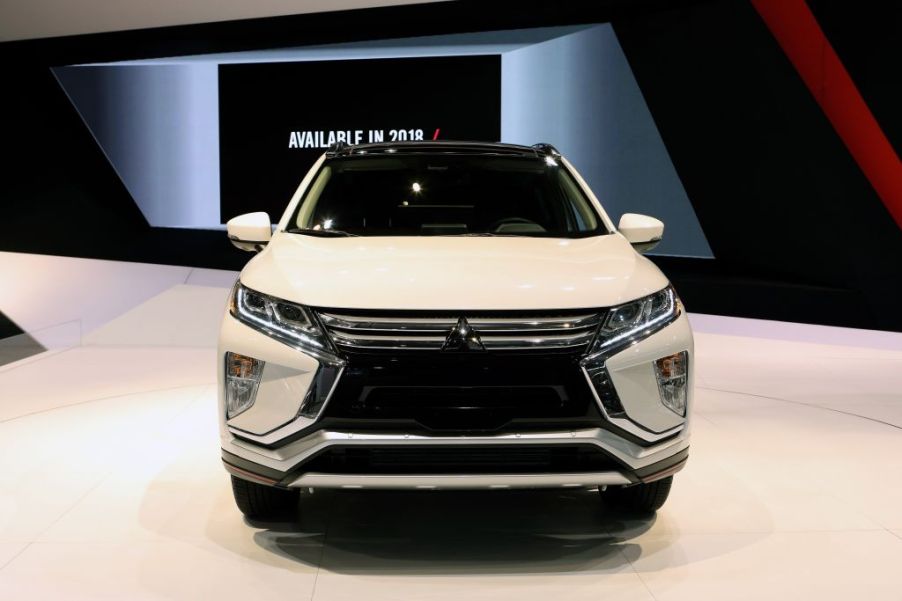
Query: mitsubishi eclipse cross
{"points": [[450, 315]]}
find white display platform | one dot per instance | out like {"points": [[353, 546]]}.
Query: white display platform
{"points": [[111, 483]]}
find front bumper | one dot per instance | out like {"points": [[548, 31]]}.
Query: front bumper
{"points": [[633, 464], [273, 446]]}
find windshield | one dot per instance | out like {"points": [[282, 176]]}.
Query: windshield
{"points": [[445, 195]]}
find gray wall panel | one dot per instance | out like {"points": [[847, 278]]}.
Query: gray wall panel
{"points": [[577, 92], [159, 127]]}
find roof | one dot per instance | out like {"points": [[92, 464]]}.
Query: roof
{"points": [[443, 147]]}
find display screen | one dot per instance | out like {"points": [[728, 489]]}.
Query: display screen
{"points": [[276, 119]]}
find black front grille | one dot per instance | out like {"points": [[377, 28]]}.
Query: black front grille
{"points": [[463, 392], [462, 459]]}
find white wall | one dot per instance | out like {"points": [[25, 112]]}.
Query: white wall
{"points": [[24, 19]]}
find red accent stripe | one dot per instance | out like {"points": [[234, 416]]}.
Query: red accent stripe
{"points": [[798, 33], [247, 475], [435, 135], [664, 473]]}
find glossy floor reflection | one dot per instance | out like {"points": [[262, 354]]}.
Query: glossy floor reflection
{"points": [[111, 484]]}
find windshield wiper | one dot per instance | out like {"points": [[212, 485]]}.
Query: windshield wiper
{"points": [[306, 231]]}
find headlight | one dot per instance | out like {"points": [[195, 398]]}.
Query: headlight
{"points": [[285, 321], [624, 325], [629, 322]]}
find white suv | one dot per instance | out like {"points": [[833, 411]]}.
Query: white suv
{"points": [[448, 315]]}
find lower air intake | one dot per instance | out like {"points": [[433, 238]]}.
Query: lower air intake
{"points": [[463, 459]]}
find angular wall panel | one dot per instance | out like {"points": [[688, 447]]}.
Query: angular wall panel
{"points": [[158, 123], [159, 127], [577, 91]]}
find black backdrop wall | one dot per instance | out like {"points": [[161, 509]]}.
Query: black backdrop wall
{"points": [[797, 231]]}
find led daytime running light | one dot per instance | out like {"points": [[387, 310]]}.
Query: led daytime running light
{"points": [[285, 321], [632, 321]]}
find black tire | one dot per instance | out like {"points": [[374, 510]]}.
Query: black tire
{"points": [[260, 502], [639, 498]]}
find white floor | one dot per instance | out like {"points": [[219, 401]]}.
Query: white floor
{"points": [[111, 485]]}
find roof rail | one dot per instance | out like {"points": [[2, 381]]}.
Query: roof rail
{"points": [[547, 149], [342, 149], [337, 148], [430, 147]]}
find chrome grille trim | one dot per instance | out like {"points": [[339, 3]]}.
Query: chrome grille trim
{"points": [[425, 332], [387, 324]]}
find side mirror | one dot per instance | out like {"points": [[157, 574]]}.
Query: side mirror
{"points": [[250, 231], [642, 231]]}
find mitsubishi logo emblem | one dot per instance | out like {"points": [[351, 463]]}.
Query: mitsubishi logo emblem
{"points": [[463, 338]]}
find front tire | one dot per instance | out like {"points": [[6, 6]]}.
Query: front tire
{"points": [[640, 498], [260, 502]]}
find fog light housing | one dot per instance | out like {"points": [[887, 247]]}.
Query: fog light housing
{"points": [[604, 389], [320, 390], [243, 375], [672, 374]]}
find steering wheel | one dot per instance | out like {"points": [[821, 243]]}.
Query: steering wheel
{"points": [[510, 220]]}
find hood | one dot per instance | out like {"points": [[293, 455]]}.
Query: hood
{"points": [[452, 273]]}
